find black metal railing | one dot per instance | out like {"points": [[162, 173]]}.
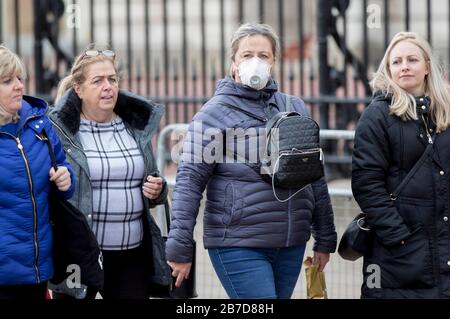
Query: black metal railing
{"points": [[288, 72], [174, 51]]}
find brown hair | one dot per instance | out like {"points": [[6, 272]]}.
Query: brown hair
{"points": [[77, 72]]}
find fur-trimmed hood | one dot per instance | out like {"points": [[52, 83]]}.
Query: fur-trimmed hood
{"points": [[136, 111], [142, 119]]}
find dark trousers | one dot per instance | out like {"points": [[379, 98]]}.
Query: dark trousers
{"points": [[126, 275], [24, 292]]}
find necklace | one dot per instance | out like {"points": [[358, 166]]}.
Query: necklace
{"points": [[16, 118]]}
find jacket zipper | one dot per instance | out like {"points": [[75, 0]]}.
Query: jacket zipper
{"points": [[68, 138], [435, 273], [289, 221], [402, 152], [430, 140], [141, 150], [71, 143], [33, 200]]}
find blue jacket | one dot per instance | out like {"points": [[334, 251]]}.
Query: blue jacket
{"points": [[241, 209], [25, 231]]}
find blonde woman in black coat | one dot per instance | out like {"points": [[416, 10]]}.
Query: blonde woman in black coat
{"points": [[410, 252]]}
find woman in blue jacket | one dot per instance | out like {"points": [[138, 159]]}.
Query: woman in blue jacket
{"points": [[27, 178], [255, 242]]}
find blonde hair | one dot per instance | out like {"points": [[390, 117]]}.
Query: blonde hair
{"points": [[11, 64], [77, 72], [403, 103]]}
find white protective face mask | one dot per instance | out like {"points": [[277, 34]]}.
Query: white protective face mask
{"points": [[254, 72]]}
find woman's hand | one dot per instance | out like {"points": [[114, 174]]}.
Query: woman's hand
{"points": [[320, 259], [153, 187], [180, 271], [61, 178]]}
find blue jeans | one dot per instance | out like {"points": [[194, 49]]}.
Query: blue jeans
{"points": [[258, 273]]}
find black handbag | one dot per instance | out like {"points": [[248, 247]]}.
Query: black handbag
{"points": [[74, 243], [187, 290], [357, 238], [355, 242], [292, 157]]}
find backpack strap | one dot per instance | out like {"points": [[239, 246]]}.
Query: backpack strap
{"points": [[252, 115], [277, 117], [254, 166], [44, 137], [289, 107], [273, 122]]}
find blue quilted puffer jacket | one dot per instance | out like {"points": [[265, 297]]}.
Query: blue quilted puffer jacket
{"points": [[25, 230], [241, 209]]}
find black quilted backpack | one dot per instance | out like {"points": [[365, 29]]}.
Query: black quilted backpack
{"points": [[292, 157]]}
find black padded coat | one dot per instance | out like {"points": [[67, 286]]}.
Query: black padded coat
{"points": [[410, 255]]}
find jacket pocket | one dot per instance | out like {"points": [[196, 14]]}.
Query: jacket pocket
{"points": [[232, 206], [407, 264]]}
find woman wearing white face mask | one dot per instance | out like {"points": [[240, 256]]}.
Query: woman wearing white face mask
{"points": [[254, 72], [256, 244]]}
